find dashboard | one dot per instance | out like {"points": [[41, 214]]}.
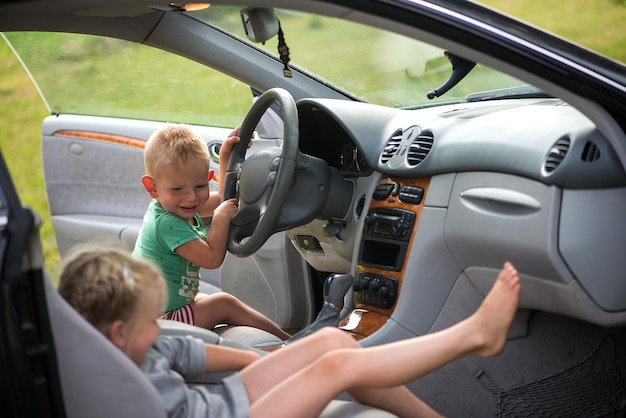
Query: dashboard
{"points": [[543, 139], [529, 180]]}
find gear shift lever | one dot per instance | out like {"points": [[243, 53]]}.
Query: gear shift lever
{"points": [[335, 288]]}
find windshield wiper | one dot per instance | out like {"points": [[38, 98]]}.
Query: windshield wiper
{"points": [[460, 68], [519, 92]]}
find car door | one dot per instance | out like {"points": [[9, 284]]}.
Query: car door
{"points": [[29, 382], [106, 97]]}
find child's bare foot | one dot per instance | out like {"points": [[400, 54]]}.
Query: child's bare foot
{"points": [[493, 318]]}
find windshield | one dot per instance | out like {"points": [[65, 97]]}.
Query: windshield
{"points": [[371, 64], [94, 75]]}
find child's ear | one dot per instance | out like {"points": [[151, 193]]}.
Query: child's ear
{"points": [[149, 185], [116, 333]]}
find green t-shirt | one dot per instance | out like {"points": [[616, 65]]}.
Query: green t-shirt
{"points": [[161, 233]]}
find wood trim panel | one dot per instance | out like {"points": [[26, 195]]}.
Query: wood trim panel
{"points": [[364, 319], [116, 139]]}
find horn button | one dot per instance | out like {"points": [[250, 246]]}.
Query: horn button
{"points": [[258, 173]]}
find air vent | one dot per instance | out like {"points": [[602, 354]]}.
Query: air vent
{"points": [[591, 153], [419, 148], [556, 155], [391, 147]]}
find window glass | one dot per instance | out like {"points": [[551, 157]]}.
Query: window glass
{"points": [[371, 64], [92, 75]]}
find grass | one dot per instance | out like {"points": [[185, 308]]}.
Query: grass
{"points": [[597, 24], [22, 112]]}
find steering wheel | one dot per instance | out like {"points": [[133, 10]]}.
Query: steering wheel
{"points": [[261, 181]]}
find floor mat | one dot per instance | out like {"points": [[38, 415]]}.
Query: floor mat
{"points": [[591, 387]]}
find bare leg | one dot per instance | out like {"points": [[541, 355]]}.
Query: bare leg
{"points": [[271, 370], [265, 374], [361, 371], [224, 308]]}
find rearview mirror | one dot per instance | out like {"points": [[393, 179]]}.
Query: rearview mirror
{"points": [[260, 24]]}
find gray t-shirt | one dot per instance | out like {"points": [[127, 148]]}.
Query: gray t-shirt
{"points": [[174, 358]]}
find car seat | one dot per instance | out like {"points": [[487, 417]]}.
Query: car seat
{"points": [[99, 381]]}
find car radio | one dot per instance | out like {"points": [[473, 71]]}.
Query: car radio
{"points": [[389, 223], [385, 237]]}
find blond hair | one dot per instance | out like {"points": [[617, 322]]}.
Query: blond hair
{"points": [[176, 144], [105, 284]]}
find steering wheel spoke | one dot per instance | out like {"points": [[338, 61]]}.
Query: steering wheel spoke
{"points": [[263, 180]]}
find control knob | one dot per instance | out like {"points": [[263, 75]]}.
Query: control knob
{"points": [[362, 284]]}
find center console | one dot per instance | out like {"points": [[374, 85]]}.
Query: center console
{"points": [[388, 230], [384, 244]]}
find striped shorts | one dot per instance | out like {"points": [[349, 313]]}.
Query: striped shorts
{"points": [[182, 314]]}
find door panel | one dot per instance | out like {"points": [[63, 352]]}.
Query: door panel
{"points": [[92, 170]]}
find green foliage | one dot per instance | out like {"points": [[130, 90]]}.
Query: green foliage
{"points": [[599, 25]]}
